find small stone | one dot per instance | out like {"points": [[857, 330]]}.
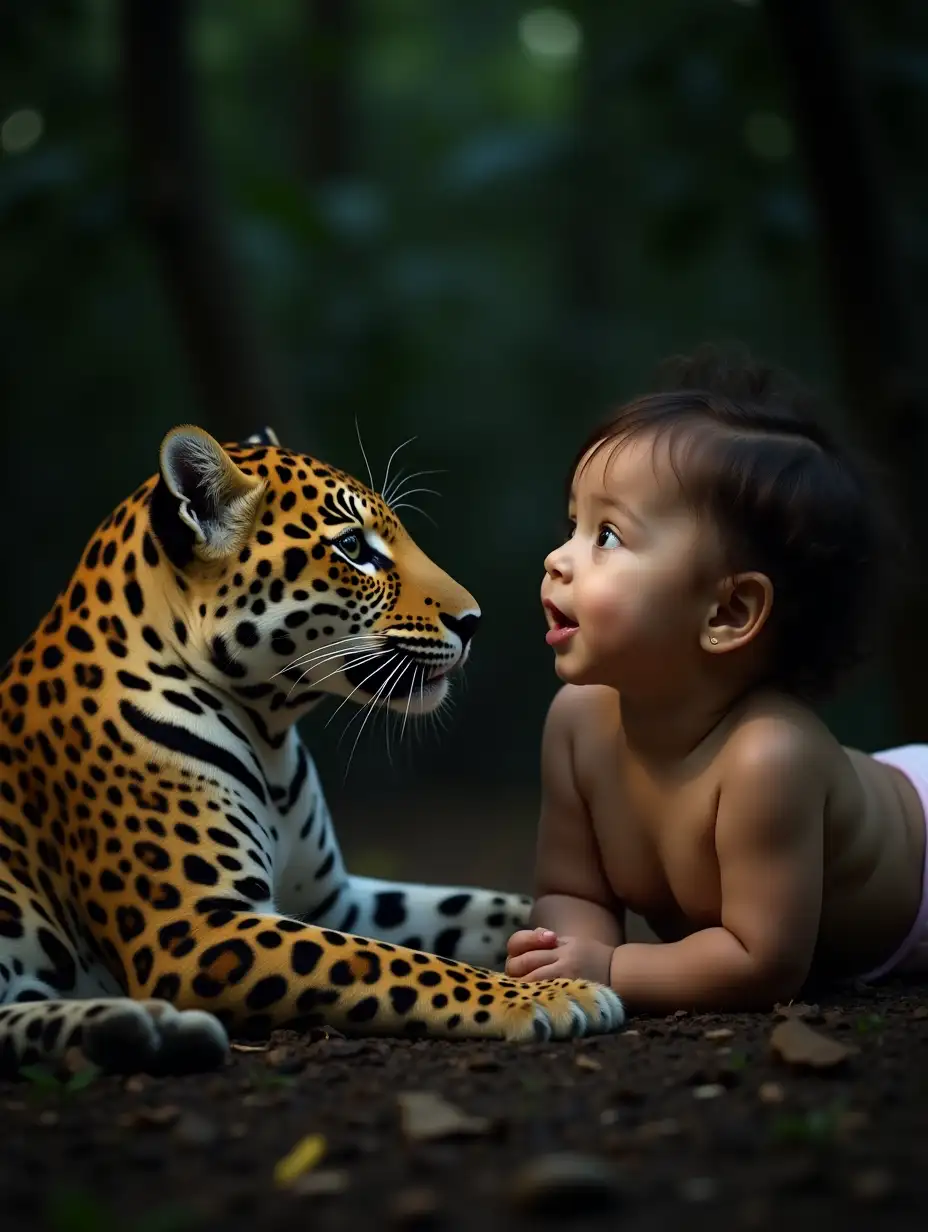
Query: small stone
{"points": [[483, 1063], [194, 1130], [136, 1084], [630, 1033], [564, 1182], [920, 1012], [286, 1060], [238, 1130], [582, 1061], [655, 1131], [161, 1117], [719, 1034], [48, 1118], [699, 1189], [414, 1208], [258, 1099], [873, 1185], [708, 1090], [771, 1093], [320, 1184]]}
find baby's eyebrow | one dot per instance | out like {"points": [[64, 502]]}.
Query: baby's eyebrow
{"points": [[614, 502]]}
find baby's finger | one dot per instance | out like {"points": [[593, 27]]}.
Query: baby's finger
{"points": [[529, 939], [519, 966]]}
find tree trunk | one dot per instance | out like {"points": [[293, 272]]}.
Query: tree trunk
{"points": [[874, 319], [178, 208]]}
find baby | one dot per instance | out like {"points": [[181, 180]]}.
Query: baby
{"points": [[722, 566]]}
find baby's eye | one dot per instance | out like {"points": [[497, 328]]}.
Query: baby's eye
{"points": [[570, 528], [607, 538]]}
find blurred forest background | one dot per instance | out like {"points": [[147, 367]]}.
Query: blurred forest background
{"points": [[480, 224]]}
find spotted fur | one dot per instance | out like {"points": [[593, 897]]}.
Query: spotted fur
{"points": [[168, 868]]}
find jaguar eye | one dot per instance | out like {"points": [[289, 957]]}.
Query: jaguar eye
{"points": [[351, 545]]}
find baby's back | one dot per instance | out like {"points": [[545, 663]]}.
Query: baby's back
{"points": [[655, 828]]}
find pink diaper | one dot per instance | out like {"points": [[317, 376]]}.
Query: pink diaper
{"points": [[912, 954]]}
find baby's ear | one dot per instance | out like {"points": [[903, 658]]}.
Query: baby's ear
{"points": [[740, 613], [216, 501]]}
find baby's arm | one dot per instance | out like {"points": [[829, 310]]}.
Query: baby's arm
{"points": [[572, 895], [769, 844]]}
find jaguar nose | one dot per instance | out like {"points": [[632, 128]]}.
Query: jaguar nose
{"points": [[464, 626]]}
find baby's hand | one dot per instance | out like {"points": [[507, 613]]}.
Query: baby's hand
{"points": [[571, 958], [532, 947]]}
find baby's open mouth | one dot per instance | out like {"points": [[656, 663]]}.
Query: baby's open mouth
{"points": [[561, 621], [561, 626]]}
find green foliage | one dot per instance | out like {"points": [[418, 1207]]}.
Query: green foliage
{"points": [[76, 1210], [44, 1080], [513, 244]]}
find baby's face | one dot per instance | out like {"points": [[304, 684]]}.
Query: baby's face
{"points": [[627, 594]]}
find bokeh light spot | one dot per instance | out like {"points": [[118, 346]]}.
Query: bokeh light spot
{"points": [[552, 36], [21, 130]]}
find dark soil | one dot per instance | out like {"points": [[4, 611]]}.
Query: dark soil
{"points": [[674, 1127]]}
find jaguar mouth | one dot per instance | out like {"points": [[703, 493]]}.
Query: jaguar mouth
{"points": [[407, 678]]}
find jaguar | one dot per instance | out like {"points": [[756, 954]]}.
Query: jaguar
{"points": [[170, 877]]}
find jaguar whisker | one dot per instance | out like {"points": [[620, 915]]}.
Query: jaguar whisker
{"points": [[390, 462]]}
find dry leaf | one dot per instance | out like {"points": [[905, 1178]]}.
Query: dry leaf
{"points": [[249, 1047], [654, 1131], [797, 1044], [718, 1035], [305, 1155], [424, 1116]]}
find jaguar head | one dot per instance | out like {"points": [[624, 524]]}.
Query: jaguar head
{"points": [[296, 579]]}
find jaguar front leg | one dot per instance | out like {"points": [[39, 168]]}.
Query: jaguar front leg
{"points": [[462, 922], [258, 972]]}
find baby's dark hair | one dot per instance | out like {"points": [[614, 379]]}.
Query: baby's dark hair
{"points": [[789, 501]]}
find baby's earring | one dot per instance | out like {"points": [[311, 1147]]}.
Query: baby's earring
{"points": [[714, 641]]}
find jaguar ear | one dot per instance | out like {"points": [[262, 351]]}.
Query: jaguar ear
{"points": [[217, 501], [264, 436]]}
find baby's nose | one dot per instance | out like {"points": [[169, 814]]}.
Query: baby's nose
{"points": [[556, 563]]}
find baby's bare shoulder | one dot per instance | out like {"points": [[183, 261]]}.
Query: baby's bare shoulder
{"points": [[778, 734], [581, 703]]}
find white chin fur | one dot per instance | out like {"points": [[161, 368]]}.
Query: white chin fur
{"points": [[429, 700]]}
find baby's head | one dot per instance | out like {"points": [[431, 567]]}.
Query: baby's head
{"points": [[717, 518]]}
